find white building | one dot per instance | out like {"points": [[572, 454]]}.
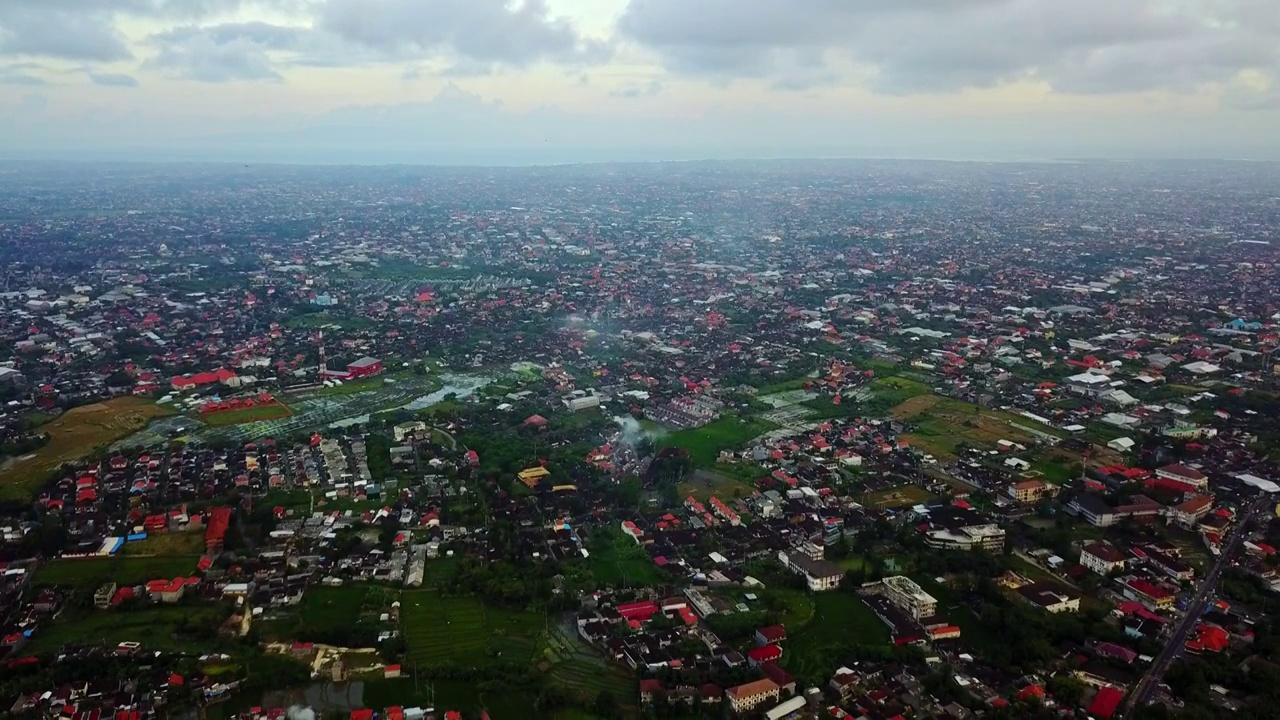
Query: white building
{"points": [[909, 597], [1102, 557]]}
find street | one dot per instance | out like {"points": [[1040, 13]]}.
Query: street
{"points": [[1141, 694]]}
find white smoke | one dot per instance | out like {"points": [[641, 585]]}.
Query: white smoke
{"points": [[632, 431], [300, 712]]}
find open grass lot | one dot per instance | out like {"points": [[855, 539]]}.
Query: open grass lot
{"points": [[942, 423], [705, 443], [463, 630], [187, 543], [157, 628], [328, 607], [123, 570], [897, 390], [896, 497], [616, 561], [705, 483], [840, 621], [783, 386], [74, 435], [272, 411]]}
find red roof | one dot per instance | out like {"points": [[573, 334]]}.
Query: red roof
{"points": [[1106, 702], [764, 653]]}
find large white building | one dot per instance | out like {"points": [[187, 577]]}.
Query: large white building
{"points": [[1102, 557], [909, 597]]}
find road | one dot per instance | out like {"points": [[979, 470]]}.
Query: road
{"points": [[1141, 694]]}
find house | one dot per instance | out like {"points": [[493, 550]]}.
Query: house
{"points": [[771, 635], [1050, 598], [752, 695], [1183, 474], [758, 656], [1102, 557], [650, 690], [909, 597]]}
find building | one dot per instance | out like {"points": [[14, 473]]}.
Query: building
{"points": [[771, 635], [364, 367], [764, 654], [1102, 557], [582, 401], [958, 527], [1152, 596], [818, 574], [787, 708], [1189, 512], [973, 537], [1031, 491], [909, 597], [1183, 474], [1050, 598], [752, 695]]}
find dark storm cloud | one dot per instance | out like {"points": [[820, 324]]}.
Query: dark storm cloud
{"points": [[1084, 46], [479, 32], [113, 80]]}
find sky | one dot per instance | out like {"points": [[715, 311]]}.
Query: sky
{"points": [[549, 81]]}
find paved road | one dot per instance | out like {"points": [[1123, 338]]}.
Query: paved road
{"points": [[1141, 694]]}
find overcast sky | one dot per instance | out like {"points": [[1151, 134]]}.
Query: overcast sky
{"points": [[525, 81]]}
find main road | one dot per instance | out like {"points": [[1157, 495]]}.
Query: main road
{"points": [[1141, 694]]}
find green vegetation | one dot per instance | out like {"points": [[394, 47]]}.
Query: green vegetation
{"points": [[271, 411], [464, 631], [617, 561], [91, 573], [188, 543], [75, 435], [841, 624], [726, 481], [376, 382], [160, 628], [322, 319], [705, 443], [784, 386], [896, 497]]}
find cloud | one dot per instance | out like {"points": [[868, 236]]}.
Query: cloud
{"points": [[205, 56], [59, 33], [87, 30], [476, 33], [21, 74], [923, 46], [649, 89], [113, 80]]}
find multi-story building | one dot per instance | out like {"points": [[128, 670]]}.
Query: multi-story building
{"points": [[818, 574], [751, 695], [1050, 598], [1183, 474], [909, 597], [1102, 557]]}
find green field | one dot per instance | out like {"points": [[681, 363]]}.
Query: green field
{"points": [[579, 669], [466, 631], [784, 386], [465, 697], [189, 542], [972, 632], [840, 622], [123, 570], [159, 628], [894, 390], [897, 497], [273, 411], [617, 561], [705, 443]]}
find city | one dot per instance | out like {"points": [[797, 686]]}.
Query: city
{"points": [[782, 439]]}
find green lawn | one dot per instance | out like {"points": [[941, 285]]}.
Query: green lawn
{"points": [[705, 443], [841, 621], [122, 570], [783, 386], [465, 631], [159, 628], [896, 497], [465, 697]]}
